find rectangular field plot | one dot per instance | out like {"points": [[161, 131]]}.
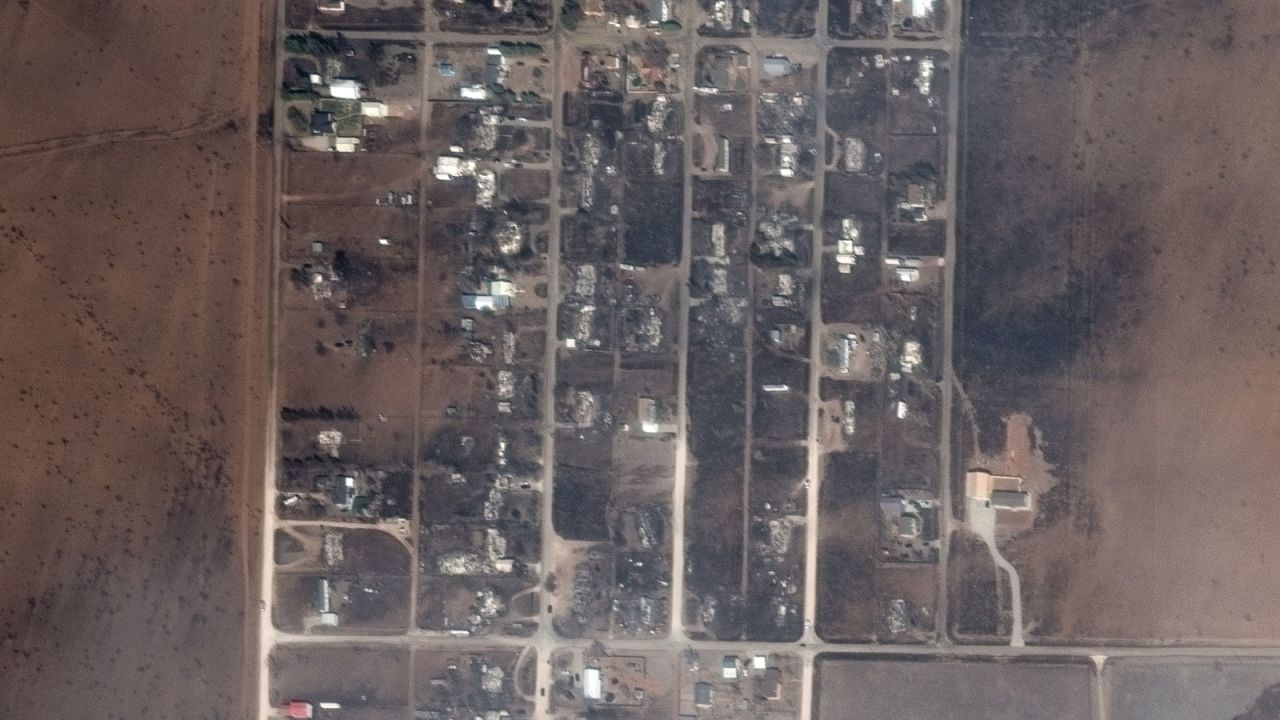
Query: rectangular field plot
{"points": [[930, 687], [1191, 688]]}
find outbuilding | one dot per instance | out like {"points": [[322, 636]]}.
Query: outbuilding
{"points": [[592, 684], [777, 66], [702, 694], [344, 89]]}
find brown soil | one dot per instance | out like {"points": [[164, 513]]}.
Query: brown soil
{"points": [[370, 682], [863, 688], [1134, 186], [131, 282]]}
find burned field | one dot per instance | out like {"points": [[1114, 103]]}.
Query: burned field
{"points": [[480, 543], [866, 688], [775, 542], [858, 19], [785, 18], [1117, 311], [887, 113], [718, 354], [748, 354], [330, 254], [872, 586], [483, 340], [717, 418], [615, 401], [879, 528], [884, 218], [485, 16], [977, 591]]}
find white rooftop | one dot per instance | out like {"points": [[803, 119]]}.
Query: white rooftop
{"points": [[592, 684], [344, 88], [373, 108]]}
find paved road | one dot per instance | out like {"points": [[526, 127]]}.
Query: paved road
{"points": [[1109, 649], [589, 36]]}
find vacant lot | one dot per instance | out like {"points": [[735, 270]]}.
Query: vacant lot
{"points": [[847, 548], [131, 280], [923, 687], [370, 683], [1117, 283]]}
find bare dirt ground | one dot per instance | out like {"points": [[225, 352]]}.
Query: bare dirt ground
{"points": [[1191, 689], [919, 687], [1118, 283], [131, 280], [370, 682]]}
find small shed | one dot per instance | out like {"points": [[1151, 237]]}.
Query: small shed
{"points": [[702, 694], [592, 684], [344, 88]]}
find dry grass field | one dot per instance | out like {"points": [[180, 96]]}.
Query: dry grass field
{"points": [[131, 289]]}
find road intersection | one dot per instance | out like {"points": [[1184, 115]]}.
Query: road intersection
{"points": [[546, 640]]}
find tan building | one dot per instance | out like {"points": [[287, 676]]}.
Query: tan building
{"points": [[1006, 494]]}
